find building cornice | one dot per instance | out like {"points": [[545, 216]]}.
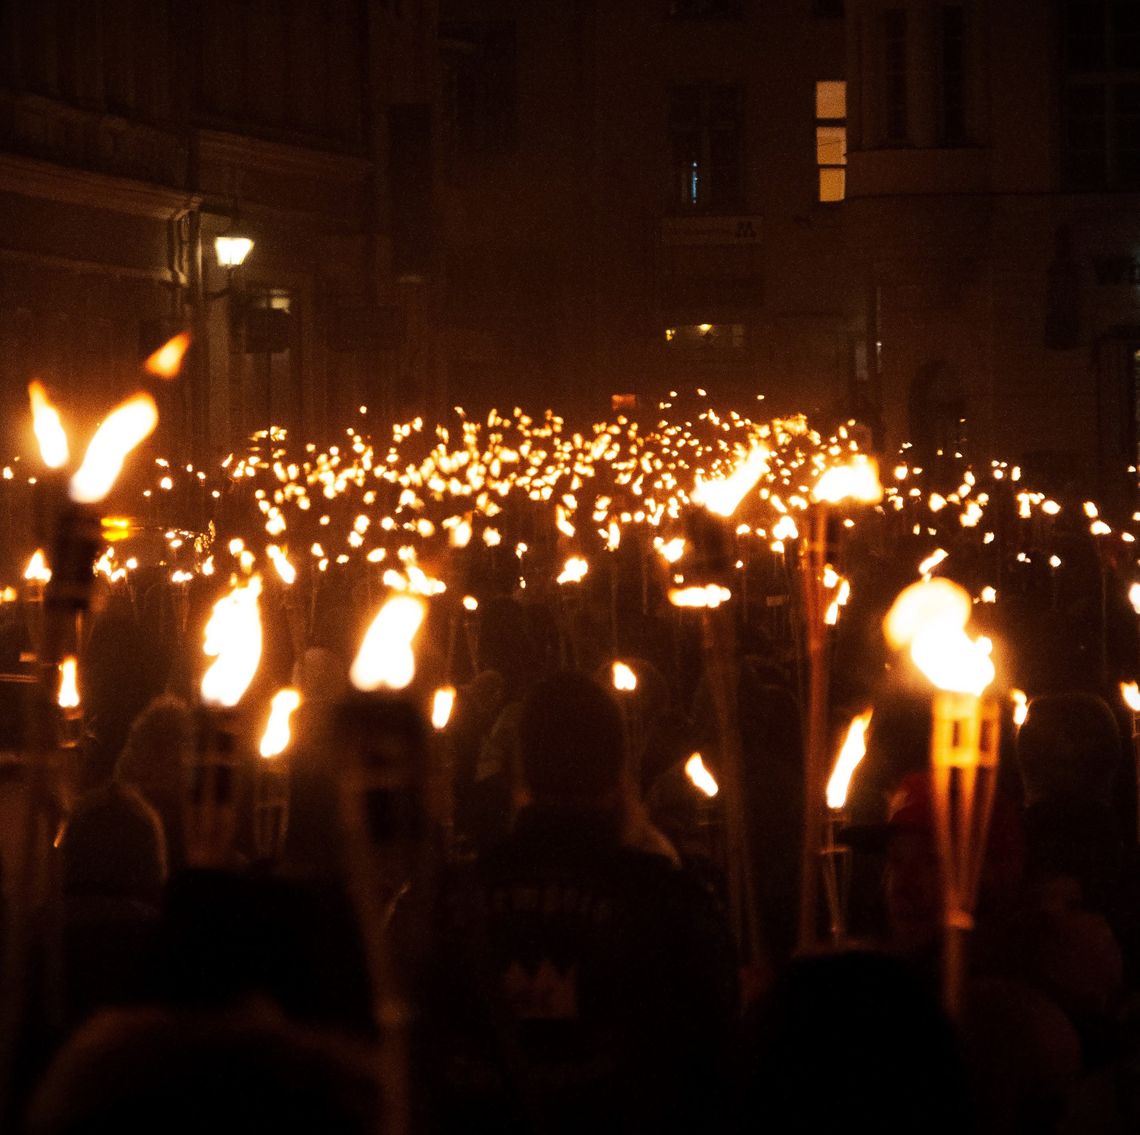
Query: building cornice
{"points": [[69, 185], [282, 158]]}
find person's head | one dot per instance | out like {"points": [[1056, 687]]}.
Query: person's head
{"points": [[1068, 748], [159, 747], [855, 1040], [571, 742]]}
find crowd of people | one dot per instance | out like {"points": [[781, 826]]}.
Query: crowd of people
{"points": [[522, 923]]}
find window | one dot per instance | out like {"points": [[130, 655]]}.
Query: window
{"points": [[894, 76], [705, 337], [706, 9], [952, 32], [705, 140], [1101, 98], [479, 86], [831, 138]]}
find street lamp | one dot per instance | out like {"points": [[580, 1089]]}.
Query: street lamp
{"points": [[232, 250]]}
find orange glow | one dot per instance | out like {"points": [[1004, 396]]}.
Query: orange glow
{"points": [[277, 736], [130, 423], [1131, 694], [700, 777], [37, 570], [442, 703], [233, 638], [711, 595], [68, 696], [385, 658], [858, 480], [623, 677], [851, 753], [166, 362], [48, 428], [723, 495], [930, 618], [1020, 706]]}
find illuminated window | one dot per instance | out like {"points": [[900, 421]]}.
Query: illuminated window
{"points": [[831, 138], [705, 128], [705, 337]]}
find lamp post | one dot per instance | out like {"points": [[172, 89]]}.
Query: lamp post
{"points": [[230, 250]]}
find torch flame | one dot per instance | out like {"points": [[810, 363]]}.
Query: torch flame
{"points": [[700, 776], [48, 428], [130, 423], [275, 740], [624, 678], [932, 561], [858, 480], [37, 570], [853, 750], [233, 637], [1131, 694], [574, 571], [285, 569], [1020, 706], [442, 703], [711, 595], [385, 657], [68, 697], [1134, 597], [723, 495], [930, 618], [166, 362]]}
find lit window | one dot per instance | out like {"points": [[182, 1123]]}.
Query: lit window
{"points": [[831, 138], [705, 337]]}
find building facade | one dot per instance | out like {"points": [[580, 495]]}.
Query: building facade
{"points": [[993, 217], [633, 202], [132, 134]]}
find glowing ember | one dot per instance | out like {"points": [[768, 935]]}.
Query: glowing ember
{"points": [[275, 740], [386, 659], [48, 428], [130, 423], [852, 751], [68, 696], [166, 362], [623, 677], [233, 638], [442, 703]]}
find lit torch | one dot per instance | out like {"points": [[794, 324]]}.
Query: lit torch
{"points": [[835, 856], [233, 638], [271, 779], [856, 481], [930, 618]]}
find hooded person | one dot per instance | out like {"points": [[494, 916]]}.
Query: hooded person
{"points": [[581, 984]]}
